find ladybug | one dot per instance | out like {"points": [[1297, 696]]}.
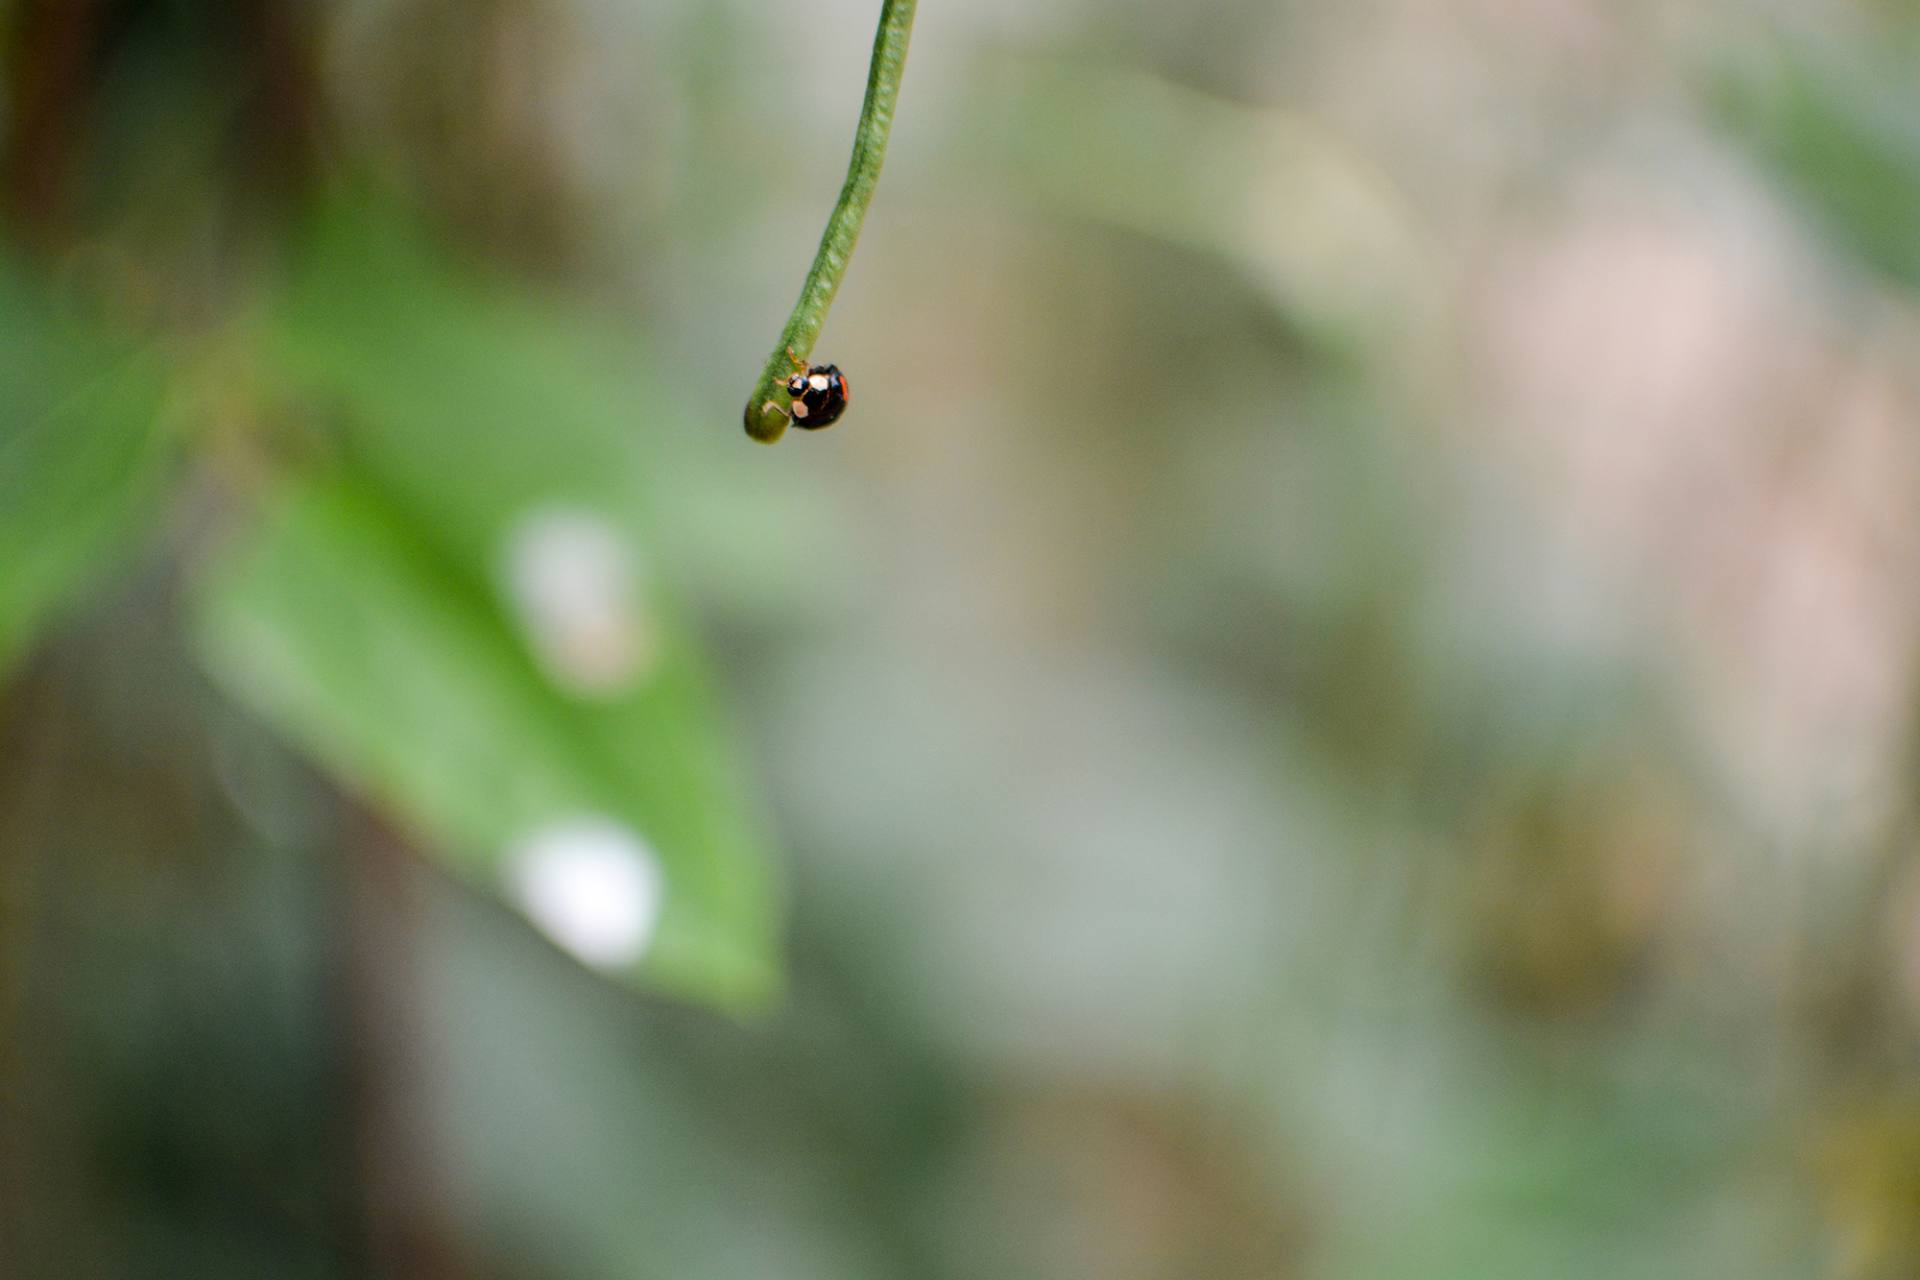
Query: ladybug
{"points": [[820, 395]]}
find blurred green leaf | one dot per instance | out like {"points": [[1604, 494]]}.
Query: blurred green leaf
{"points": [[381, 617], [79, 459], [1846, 143], [1309, 219]]}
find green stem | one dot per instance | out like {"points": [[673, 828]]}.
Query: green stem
{"points": [[767, 415]]}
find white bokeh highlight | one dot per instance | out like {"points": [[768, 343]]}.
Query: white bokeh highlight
{"points": [[575, 584], [591, 884]]}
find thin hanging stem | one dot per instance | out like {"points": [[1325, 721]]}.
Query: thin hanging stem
{"points": [[767, 414]]}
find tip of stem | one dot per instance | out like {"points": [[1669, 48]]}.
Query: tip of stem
{"points": [[765, 420]]}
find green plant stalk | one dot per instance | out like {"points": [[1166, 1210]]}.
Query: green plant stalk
{"points": [[767, 413]]}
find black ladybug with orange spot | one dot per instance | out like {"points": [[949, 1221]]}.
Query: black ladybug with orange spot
{"points": [[819, 396]]}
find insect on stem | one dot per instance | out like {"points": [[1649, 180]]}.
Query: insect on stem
{"points": [[768, 414]]}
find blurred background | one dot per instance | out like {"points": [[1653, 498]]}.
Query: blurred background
{"points": [[1342, 704]]}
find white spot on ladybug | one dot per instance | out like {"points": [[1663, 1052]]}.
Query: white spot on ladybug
{"points": [[592, 885], [820, 381], [799, 408]]}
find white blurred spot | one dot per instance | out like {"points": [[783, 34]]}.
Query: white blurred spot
{"points": [[593, 886], [575, 585]]}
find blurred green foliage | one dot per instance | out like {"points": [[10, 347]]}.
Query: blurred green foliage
{"points": [[82, 457], [1843, 132], [366, 615]]}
